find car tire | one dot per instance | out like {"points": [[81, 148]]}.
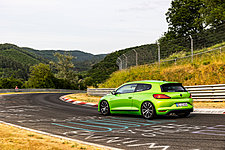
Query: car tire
{"points": [[183, 115], [147, 110], [104, 108]]}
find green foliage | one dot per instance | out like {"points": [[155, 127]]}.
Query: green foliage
{"points": [[10, 83], [83, 61], [213, 12], [203, 19], [64, 66], [181, 17], [187, 17], [41, 77], [208, 68], [16, 61]]}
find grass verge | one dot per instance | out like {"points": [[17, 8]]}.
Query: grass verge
{"points": [[13, 138], [95, 99], [207, 68]]}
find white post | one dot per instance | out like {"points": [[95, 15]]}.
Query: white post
{"points": [[158, 52], [136, 57], [126, 60], [192, 53], [121, 64]]}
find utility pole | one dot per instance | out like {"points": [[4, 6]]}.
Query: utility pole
{"points": [[136, 57], [192, 53]]}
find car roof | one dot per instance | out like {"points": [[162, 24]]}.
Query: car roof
{"points": [[150, 82]]}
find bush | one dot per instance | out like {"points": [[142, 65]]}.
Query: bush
{"points": [[10, 83]]}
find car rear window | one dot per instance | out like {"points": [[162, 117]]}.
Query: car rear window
{"points": [[173, 87]]}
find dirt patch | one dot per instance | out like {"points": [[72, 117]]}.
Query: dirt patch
{"points": [[212, 105]]}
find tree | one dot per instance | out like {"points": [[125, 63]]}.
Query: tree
{"points": [[64, 66], [183, 18], [10, 83], [213, 14], [41, 77]]}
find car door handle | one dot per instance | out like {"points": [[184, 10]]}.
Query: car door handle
{"points": [[129, 97]]}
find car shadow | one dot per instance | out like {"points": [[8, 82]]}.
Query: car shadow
{"points": [[171, 116]]}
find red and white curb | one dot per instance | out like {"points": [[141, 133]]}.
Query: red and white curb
{"points": [[196, 110], [72, 101]]}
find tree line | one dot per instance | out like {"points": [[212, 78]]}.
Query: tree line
{"points": [[59, 75]]}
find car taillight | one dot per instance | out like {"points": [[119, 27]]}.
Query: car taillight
{"points": [[190, 96], [161, 96]]}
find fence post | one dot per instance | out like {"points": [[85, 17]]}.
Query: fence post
{"points": [[192, 53], [136, 57], [158, 52], [121, 64], [126, 61]]}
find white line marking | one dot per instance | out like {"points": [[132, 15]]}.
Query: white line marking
{"points": [[58, 136]]}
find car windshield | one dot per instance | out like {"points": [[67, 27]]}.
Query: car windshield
{"points": [[126, 89], [173, 87]]}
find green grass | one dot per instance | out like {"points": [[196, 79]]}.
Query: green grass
{"points": [[207, 68]]}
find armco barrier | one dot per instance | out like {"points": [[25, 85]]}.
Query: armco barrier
{"points": [[214, 92], [40, 90]]}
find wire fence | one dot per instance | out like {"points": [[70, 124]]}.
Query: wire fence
{"points": [[173, 50]]}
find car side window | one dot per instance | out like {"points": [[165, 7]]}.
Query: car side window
{"points": [[143, 87], [130, 88]]}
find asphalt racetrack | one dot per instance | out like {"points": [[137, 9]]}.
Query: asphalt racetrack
{"points": [[45, 112]]}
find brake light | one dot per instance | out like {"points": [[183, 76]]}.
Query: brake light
{"points": [[161, 96], [190, 96]]}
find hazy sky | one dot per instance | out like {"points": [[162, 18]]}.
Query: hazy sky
{"points": [[95, 26]]}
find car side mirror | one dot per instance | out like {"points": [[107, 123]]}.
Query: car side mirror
{"points": [[113, 93]]}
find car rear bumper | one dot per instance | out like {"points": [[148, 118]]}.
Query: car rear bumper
{"points": [[179, 111], [167, 111]]}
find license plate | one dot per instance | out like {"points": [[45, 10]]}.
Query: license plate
{"points": [[181, 104]]}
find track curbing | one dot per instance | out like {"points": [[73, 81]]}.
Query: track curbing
{"points": [[76, 102]]}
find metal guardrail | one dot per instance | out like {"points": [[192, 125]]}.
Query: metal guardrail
{"points": [[99, 91], [40, 90], [205, 93], [214, 92]]}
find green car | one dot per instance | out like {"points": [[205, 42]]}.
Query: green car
{"points": [[148, 98]]}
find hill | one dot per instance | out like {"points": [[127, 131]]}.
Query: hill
{"points": [[15, 61], [208, 68], [83, 61]]}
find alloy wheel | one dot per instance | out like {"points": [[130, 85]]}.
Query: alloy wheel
{"points": [[147, 110], [104, 107]]}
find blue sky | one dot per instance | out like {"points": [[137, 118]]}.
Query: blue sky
{"points": [[94, 26]]}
